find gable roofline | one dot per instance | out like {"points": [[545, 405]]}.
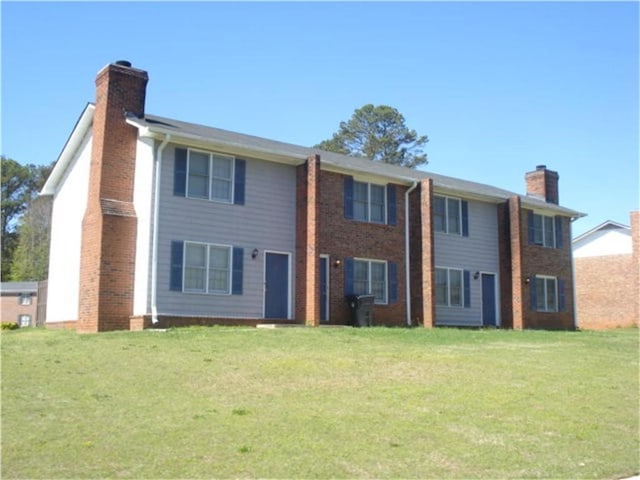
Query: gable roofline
{"points": [[608, 225], [82, 126]]}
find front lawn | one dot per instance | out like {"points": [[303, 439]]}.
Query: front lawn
{"points": [[320, 403]]}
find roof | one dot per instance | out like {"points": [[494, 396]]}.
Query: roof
{"points": [[608, 225], [242, 144], [158, 127], [18, 287]]}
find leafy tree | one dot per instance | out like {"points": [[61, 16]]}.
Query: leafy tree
{"points": [[20, 185], [31, 256], [380, 134]]}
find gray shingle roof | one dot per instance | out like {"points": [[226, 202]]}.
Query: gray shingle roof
{"points": [[18, 287], [298, 154]]}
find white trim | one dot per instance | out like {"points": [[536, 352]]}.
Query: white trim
{"points": [[446, 198], [385, 207], [546, 277], [369, 287], [206, 282], [448, 269], [264, 282], [210, 197]]}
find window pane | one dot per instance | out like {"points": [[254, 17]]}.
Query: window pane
{"points": [[361, 278], [221, 167], [548, 232], [221, 189], [551, 295], [439, 214], [198, 175], [195, 267], [360, 201], [453, 215], [379, 282], [538, 236], [442, 292], [455, 287], [377, 203], [540, 294]]}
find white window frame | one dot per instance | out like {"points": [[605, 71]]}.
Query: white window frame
{"points": [[448, 292], [211, 177], [207, 273], [24, 320], [542, 235], [545, 279], [368, 203], [369, 290], [447, 227]]}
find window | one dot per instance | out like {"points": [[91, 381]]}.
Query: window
{"points": [[24, 320], [210, 176], [370, 278], [369, 202], [545, 295], [24, 299], [545, 230], [207, 268], [453, 287], [450, 216]]}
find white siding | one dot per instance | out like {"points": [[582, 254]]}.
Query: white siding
{"points": [[604, 242], [476, 253], [266, 221], [143, 203], [69, 205]]}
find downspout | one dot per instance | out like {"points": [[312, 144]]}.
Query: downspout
{"points": [[574, 294], [407, 258], [154, 240]]}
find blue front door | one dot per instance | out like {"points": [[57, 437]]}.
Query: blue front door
{"points": [[489, 299], [276, 296]]}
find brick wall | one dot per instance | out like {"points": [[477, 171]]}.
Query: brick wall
{"points": [[109, 225], [607, 287], [11, 309], [341, 238]]}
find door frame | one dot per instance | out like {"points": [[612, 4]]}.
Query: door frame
{"points": [[264, 281], [328, 279], [496, 296]]}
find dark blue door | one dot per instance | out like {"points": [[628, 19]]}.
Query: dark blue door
{"points": [[489, 299], [276, 296], [324, 289]]}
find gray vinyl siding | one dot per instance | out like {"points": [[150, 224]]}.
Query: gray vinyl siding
{"points": [[476, 253], [266, 221]]}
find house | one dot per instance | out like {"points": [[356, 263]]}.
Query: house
{"points": [[607, 271], [160, 222], [19, 303]]}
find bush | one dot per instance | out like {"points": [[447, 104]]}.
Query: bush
{"points": [[9, 326]]}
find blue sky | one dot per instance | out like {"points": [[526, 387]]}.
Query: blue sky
{"points": [[498, 87]]}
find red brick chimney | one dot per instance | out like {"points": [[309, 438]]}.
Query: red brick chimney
{"points": [[110, 224], [543, 183]]}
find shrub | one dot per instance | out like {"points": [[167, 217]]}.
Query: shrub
{"points": [[9, 326]]}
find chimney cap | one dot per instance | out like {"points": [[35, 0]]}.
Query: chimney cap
{"points": [[123, 63], [541, 167]]}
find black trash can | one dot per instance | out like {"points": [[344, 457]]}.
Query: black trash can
{"points": [[361, 310]]}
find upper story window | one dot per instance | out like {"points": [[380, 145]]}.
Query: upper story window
{"points": [[450, 215], [24, 299], [208, 175], [369, 202], [545, 230]]}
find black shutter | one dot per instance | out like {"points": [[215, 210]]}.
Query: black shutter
{"points": [[180, 173], [175, 280]]}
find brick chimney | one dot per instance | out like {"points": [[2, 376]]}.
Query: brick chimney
{"points": [[110, 224], [543, 183]]}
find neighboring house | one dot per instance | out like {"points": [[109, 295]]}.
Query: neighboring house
{"points": [[19, 303], [607, 270], [159, 222]]}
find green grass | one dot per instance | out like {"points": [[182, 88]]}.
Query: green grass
{"points": [[320, 403]]}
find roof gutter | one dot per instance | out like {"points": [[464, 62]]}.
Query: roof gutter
{"points": [[154, 240], [407, 257]]}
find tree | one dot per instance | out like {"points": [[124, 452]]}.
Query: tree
{"points": [[380, 134], [31, 256], [20, 185]]}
